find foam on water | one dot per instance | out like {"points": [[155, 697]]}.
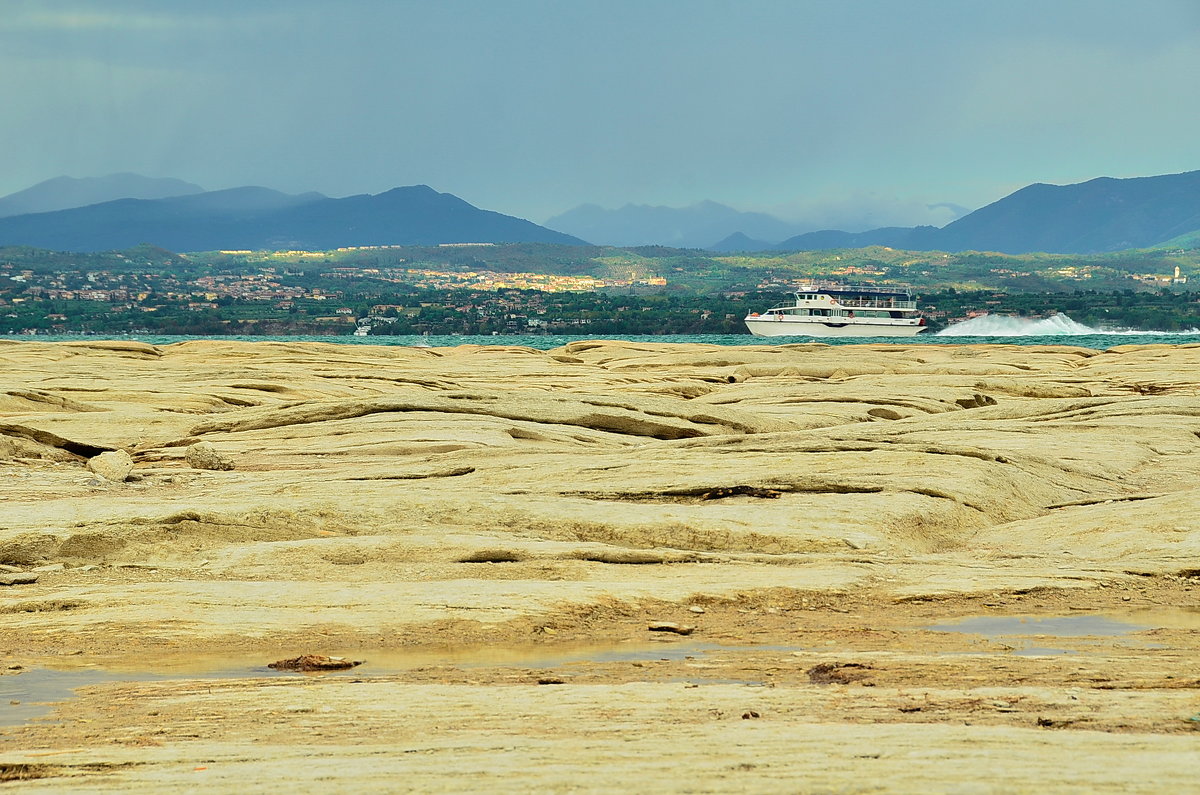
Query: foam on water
{"points": [[1058, 325], [1005, 326]]}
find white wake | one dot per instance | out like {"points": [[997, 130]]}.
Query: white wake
{"points": [[1005, 326]]}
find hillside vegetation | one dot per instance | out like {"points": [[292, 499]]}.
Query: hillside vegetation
{"points": [[540, 288]]}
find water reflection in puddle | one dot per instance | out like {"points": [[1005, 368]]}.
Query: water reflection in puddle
{"points": [[35, 689], [1018, 629], [23, 695], [1058, 626]]}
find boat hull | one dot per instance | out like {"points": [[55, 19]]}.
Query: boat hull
{"points": [[795, 327]]}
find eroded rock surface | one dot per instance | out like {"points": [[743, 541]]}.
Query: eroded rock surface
{"points": [[792, 454], [388, 496]]}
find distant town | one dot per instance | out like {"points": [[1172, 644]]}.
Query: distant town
{"points": [[547, 289]]}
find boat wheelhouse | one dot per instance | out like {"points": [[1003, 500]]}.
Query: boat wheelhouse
{"points": [[841, 311]]}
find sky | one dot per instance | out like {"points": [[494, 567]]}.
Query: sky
{"points": [[843, 114]]}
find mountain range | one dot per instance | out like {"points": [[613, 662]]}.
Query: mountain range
{"points": [[696, 226], [1099, 215], [260, 218], [125, 210], [64, 193]]}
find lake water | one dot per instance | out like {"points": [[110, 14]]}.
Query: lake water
{"points": [[546, 342], [1056, 330]]}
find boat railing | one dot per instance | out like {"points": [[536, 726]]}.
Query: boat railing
{"points": [[876, 303]]}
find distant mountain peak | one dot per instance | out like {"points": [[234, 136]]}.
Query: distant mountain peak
{"points": [[739, 241], [1096, 216], [252, 217], [694, 226], [414, 190], [63, 193]]}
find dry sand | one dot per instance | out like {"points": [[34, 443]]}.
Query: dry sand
{"points": [[494, 530]]}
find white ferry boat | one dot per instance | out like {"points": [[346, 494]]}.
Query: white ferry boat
{"points": [[841, 311]]}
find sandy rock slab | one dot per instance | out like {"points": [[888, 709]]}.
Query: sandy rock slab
{"points": [[513, 540]]}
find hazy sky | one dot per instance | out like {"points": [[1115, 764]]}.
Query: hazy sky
{"points": [[847, 113]]}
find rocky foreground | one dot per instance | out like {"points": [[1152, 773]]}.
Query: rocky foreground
{"points": [[496, 530]]}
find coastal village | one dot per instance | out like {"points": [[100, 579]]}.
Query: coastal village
{"points": [[140, 291], [375, 290]]}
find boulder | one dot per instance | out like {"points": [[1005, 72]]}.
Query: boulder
{"points": [[28, 549], [314, 662], [202, 455], [115, 465]]}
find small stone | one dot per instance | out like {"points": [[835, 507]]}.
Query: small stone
{"points": [[202, 455], [314, 662], [114, 465], [18, 579], [696, 609], [10, 569], [853, 544], [50, 567], [669, 626]]}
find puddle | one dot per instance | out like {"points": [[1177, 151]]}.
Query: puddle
{"points": [[34, 688], [37, 688], [1081, 626], [1165, 617], [1019, 630], [397, 660], [1039, 651]]}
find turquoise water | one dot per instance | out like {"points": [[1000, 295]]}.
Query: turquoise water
{"points": [[1099, 341], [1057, 329]]}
